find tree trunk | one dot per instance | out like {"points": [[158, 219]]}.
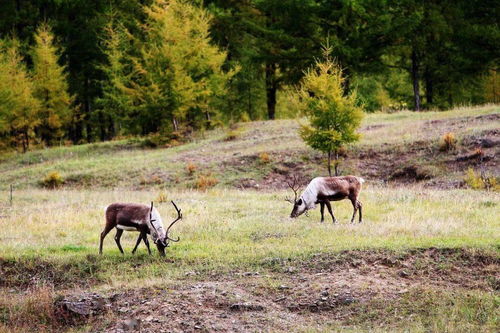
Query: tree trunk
{"points": [[102, 126], [329, 163], [87, 108], [336, 164], [415, 79], [271, 88], [26, 142], [175, 124], [429, 88]]}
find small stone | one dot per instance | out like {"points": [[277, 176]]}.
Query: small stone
{"points": [[404, 273], [131, 324], [246, 307], [282, 287]]}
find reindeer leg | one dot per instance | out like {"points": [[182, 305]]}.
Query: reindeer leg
{"points": [[329, 206], [322, 209], [355, 208], [106, 230], [146, 241], [360, 206], [118, 235], [139, 239]]}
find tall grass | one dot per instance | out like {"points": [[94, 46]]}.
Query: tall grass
{"points": [[231, 228]]}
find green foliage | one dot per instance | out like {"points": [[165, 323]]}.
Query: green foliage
{"points": [[333, 116], [50, 87], [19, 109], [372, 95], [480, 181], [176, 77]]}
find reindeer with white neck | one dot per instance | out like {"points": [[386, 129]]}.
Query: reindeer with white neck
{"points": [[322, 190], [137, 217]]}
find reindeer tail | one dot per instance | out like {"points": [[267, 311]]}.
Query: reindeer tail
{"points": [[361, 180]]}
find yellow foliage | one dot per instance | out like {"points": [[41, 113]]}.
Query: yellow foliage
{"points": [[162, 197], [51, 86], [333, 116], [448, 142], [191, 168], [19, 110], [481, 182], [204, 182], [264, 158], [53, 180]]}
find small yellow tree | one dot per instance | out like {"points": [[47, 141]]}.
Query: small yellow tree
{"points": [[51, 87], [333, 116], [18, 107]]}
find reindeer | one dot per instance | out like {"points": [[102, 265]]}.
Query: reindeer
{"points": [[141, 218], [322, 190]]}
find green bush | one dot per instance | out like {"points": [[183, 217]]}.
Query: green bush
{"points": [[52, 180], [481, 182]]}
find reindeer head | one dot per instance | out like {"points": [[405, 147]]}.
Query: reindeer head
{"points": [[160, 238], [299, 206]]}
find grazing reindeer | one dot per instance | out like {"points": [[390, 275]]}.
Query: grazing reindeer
{"points": [[322, 190], [137, 217]]}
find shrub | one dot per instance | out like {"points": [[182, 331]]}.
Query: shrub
{"points": [[33, 310], [264, 158], [245, 117], [162, 197], [233, 133], [52, 180], [204, 182], [191, 168], [481, 181], [448, 142]]}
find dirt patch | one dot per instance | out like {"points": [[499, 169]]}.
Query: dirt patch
{"points": [[292, 294]]}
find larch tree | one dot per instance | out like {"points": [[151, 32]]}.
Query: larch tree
{"points": [[51, 87], [19, 109], [173, 75], [333, 116]]}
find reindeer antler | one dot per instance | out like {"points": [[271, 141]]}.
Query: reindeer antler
{"points": [[179, 217], [151, 217], [293, 185]]}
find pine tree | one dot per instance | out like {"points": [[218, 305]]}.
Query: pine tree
{"points": [[19, 109], [51, 87], [333, 116]]}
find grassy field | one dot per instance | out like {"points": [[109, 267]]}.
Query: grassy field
{"points": [[425, 259], [411, 137]]}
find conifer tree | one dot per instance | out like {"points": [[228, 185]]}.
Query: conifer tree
{"points": [[19, 109], [333, 116], [179, 52], [51, 86]]}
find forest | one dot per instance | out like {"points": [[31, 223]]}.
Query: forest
{"points": [[78, 71]]}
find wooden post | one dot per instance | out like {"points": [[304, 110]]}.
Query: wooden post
{"points": [[11, 194]]}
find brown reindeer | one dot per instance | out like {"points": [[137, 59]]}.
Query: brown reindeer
{"points": [[322, 190], [137, 217]]}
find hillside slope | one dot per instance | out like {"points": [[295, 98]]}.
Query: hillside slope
{"points": [[399, 147]]}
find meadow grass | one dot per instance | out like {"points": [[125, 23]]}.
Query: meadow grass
{"points": [[231, 229], [123, 163]]}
